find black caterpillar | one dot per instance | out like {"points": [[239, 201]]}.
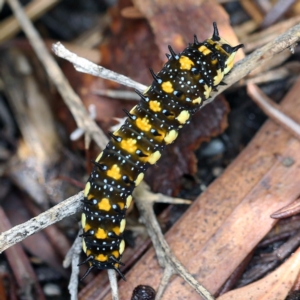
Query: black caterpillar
{"points": [[177, 92]]}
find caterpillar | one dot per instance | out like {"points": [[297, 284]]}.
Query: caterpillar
{"points": [[177, 92]]}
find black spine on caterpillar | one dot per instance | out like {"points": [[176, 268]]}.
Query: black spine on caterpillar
{"points": [[177, 92]]}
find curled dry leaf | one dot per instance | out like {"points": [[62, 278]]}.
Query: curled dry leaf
{"points": [[287, 211]]}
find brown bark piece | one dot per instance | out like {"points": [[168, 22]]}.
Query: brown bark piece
{"points": [[232, 215]]}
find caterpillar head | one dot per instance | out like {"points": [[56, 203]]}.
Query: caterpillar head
{"points": [[223, 46]]}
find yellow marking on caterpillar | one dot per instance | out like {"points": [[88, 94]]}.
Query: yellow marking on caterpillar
{"points": [[218, 78], [99, 157], [129, 145], [213, 62], [204, 50], [87, 189], [167, 87], [116, 230], [218, 45], [154, 157], [101, 257], [84, 246], [87, 227], [154, 105], [122, 247], [229, 63], [83, 220], [185, 63], [121, 205], [139, 179], [116, 254], [101, 234], [114, 172], [171, 136], [122, 225], [197, 100], [210, 41], [104, 204], [183, 117], [88, 252], [143, 124], [207, 91], [90, 196], [128, 201]]}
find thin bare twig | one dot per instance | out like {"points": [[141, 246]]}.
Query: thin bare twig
{"points": [[113, 284], [168, 273], [73, 257], [160, 198], [263, 37], [60, 211], [163, 251], [276, 12], [272, 110], [85, 66], [116, 94]]}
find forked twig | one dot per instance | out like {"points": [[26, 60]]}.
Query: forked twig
{"points": [[164, 254]]}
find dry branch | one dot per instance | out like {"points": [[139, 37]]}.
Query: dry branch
{"points": [[60, 211]]}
